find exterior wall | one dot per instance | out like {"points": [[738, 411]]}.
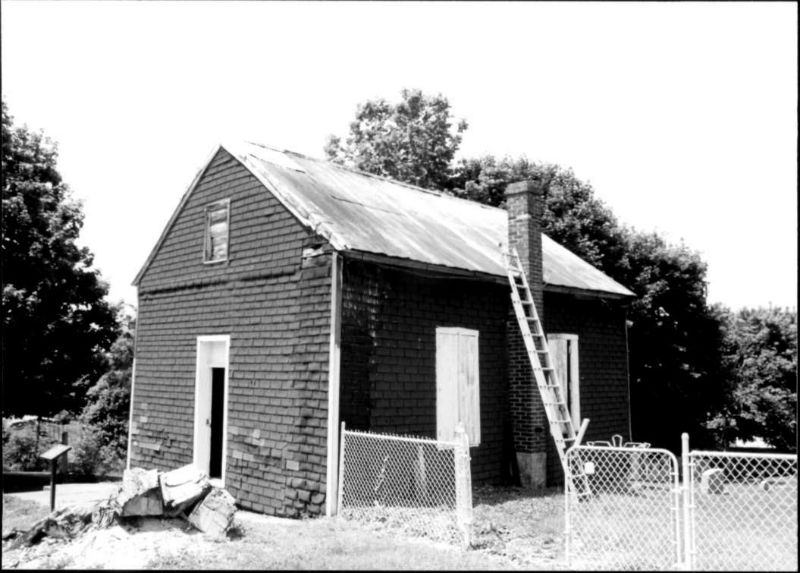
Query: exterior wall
{"points": [[273, 298], [603, 364], [388, 355]]}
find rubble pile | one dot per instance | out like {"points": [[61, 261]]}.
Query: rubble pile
{"points": [[185, 493]]}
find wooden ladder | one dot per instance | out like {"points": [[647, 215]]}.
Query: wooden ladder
{"points": [[544, 373]]}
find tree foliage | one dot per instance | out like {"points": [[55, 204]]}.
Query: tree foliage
{"points": [[413, 140], [103, 446], [760, 357], [108, 401], [56, 322]]}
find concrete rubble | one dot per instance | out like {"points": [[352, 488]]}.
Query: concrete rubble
{"points": [[185, 492]]}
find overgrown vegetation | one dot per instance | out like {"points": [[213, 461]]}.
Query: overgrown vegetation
{"points": [[105, 415], [693, 368]]}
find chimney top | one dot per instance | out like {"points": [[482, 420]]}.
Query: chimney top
{"points": [[533, 185]]}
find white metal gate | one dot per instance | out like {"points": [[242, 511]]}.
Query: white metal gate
{"points": [[628, 517]]}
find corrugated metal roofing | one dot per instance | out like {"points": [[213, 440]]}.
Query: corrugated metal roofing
{"points": [[360, 212], [357, 211]]}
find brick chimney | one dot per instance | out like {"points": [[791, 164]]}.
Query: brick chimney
{"points": [[525, 206]]}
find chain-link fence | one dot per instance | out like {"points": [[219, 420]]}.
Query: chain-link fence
{"points": [[622, 508], [626, 509], [417, 485], [743, 510]]}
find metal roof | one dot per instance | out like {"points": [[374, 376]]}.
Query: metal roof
{"points": [[360, 212]]}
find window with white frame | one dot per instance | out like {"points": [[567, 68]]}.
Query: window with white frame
{"points": [[564, 356], [457, 384], [217, 223]]}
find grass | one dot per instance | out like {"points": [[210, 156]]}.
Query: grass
{"points": [[21, 514], [324, 544], [512, 529]]}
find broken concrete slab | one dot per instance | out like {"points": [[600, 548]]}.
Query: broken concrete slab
{"points": [[140, 494], [183, 486], [214, 514]]}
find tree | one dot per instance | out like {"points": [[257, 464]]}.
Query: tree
{"points": [[677, 381], [107, 408], [56, 323], [412, 141], [760, 355]]}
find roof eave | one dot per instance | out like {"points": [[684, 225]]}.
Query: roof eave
{"points": [[587, 293]]}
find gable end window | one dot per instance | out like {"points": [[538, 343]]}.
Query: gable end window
{"points": [[217, 223]]}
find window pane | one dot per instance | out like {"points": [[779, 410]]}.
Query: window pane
{"points": [[217, 233]]}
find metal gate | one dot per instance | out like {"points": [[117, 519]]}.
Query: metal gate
{"points": [[626, 509], [622, 508]]}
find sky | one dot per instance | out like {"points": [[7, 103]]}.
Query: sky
{"points": [[683, 116]]}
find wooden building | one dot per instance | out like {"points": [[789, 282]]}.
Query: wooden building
{"points": [[287, 294]]}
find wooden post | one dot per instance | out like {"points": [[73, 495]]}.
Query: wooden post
{"points": [[64, 441], [53, 464], [38, 429], [463, 485]]}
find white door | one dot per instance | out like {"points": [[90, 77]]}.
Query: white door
{"points": [[211, 407], [564, 357]]}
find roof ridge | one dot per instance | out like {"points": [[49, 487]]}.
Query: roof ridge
{"points": [[374, 176]]}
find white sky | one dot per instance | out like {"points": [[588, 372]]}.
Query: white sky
{"points": [[682, 116]]}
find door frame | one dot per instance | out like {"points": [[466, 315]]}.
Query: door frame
{"points": [[226, 338]]}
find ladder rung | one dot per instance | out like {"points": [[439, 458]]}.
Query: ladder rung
{"points": [[553, 422]]}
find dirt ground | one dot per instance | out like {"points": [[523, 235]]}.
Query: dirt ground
{"points": [[512, 530]]}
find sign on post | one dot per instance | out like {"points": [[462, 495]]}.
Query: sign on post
{"points": [[52, 455]]}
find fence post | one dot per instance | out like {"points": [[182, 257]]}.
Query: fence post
{"points": [[340, 485], [687, 558], [463, 485], [567, 492]]}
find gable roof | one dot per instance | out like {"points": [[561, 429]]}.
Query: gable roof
{"points": [[363, 213]]}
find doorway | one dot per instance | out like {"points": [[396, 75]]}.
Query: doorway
{"points": [[211, 405]]}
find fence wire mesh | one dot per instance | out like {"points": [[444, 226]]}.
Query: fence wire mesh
{"points": [[622, 508], [417, 486], [744, 511]]}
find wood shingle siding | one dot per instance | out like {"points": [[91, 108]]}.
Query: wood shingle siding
{"points": [[274, 304], [388, 372], [600, 326]]}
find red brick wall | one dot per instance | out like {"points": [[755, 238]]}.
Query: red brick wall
{"points": [[525, 206], [603, 364], [275, 305], [388, 362]]}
